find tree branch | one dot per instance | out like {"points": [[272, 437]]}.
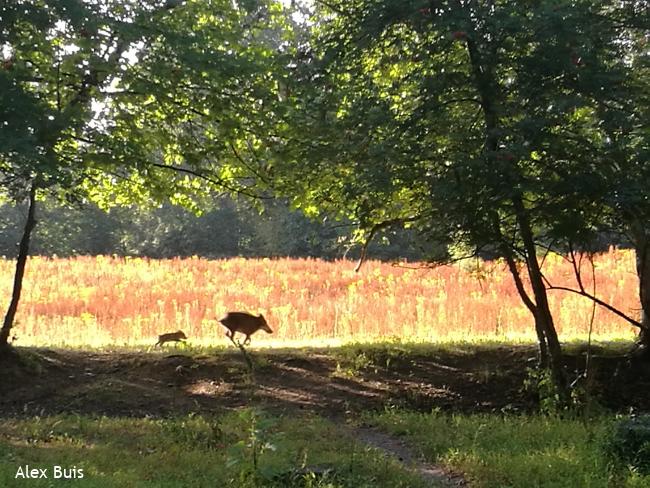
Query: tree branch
{"points": [[216, 182], [600, 302], [376, 228]]}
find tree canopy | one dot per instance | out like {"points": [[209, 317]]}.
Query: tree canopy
{"points": [[497, 128], [122, 101]]}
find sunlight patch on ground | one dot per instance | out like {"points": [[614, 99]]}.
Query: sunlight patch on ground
{"points": [[96, 341]]}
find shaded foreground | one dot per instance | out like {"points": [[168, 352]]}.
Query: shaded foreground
{"points": [[194, 418], [245, 449], [332, 382]]}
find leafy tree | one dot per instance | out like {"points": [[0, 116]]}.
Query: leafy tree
{"points": [[469, 121], [94, 96], [623, 118], [599, 130]]}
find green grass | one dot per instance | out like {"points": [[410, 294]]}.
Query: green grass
{"points": [[193, 451], [357, 354], [459, 340], [514, 451]]}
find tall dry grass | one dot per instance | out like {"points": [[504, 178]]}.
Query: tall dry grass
{"points": [[101, 301]]}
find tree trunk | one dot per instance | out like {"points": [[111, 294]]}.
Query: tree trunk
{"points": [[543, 317], [642, 249], [23, 252], [523, 294], [489, 92]]}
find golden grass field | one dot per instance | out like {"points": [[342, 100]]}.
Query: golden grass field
{"points": [[114, 301]]}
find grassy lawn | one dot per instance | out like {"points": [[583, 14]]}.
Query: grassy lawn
{"points": [[514, 451], [238, 449], [251, 448]]}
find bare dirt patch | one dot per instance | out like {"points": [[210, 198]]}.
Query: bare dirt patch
{"points": [[44, 381]]}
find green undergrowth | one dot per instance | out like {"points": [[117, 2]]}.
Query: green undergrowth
{"points": [[379, 348], [247, 448], [495, 451], [461, 343]]}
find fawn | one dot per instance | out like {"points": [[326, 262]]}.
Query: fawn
{"points": [[170, 337]]}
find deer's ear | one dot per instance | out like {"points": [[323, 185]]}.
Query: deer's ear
{"points": [[261, 316]]}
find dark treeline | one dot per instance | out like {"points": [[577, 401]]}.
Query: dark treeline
{"points": [[228, 229]]}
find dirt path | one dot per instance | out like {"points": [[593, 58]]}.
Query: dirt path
{"points": [[134, 383], [49, 381], [396, 448]]}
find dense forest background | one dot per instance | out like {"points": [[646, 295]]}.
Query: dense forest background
{"points": [[226, 228]]}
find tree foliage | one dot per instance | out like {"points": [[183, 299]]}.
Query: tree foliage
{"points": [[120, 101], [498, 125], [489, 127]]}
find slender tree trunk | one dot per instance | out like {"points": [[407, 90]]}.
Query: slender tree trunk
{"points": [[23, 252], [530, 304], [489, 91], [543, 317], [550, 350], [642, 249]]}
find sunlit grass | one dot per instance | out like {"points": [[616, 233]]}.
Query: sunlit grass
{"points": [[107, 301], [614, 344]]}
